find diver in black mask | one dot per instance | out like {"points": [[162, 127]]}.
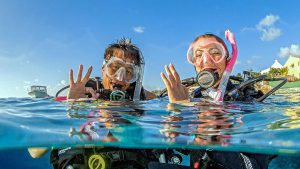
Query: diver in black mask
{"points": [[122, 72]]}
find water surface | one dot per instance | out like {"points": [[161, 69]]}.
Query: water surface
{"points": [[270, 127]]}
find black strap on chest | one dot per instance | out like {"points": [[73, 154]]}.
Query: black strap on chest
{"points": [[104, 94]]}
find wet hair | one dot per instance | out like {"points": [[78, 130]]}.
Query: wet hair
{"points": [[130, 50], [210, 35]]}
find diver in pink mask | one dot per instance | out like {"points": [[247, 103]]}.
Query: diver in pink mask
{"points": [[210, 57], [213, 64]]}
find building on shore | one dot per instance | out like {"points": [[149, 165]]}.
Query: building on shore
{"points": [[293, 65], [276, 65], [293, 74]]}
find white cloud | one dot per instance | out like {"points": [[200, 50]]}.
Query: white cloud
{"points": [[269, 34], [267, 28], [284, 51], [26, 82], [292, 50], [139, 29], [36, 80], [268, 21], [295, 50]]}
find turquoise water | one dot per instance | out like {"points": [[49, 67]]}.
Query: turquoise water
{"points": [[269, 127]]}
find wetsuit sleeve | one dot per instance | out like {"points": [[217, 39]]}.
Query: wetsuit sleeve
{"points": [[259, 161], [234, 160], [54, 158]]}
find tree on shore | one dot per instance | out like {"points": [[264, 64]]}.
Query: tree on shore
{"points": [[278, 72]]}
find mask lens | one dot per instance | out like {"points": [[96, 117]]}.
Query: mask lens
{"points": [[113, 67], [213, 51], [216, 52], [119, 70]]}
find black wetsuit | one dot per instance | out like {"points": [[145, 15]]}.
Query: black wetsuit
{"points": [[76, 158], [217, 159], [222, 159]]}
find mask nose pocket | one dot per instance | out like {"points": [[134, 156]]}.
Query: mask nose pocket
{"points": [[121, 74]]}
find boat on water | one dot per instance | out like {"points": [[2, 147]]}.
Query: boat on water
{"points": [[38, 91]]}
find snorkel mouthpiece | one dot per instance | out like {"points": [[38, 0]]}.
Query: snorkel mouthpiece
{"points": [[207, 78], [117, 87]]}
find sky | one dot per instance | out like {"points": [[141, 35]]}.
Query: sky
{"points": [[40, 41]]}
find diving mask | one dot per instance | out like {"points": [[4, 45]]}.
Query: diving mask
{"points": [[203, 51], [117, 69]]}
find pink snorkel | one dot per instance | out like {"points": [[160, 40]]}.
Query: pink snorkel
{"points": [[219, 95]]}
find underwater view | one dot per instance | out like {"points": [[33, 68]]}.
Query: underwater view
{"points": [[271, 127]]}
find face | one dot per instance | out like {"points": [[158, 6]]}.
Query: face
{"points": [[210, 57], [117, 68]]}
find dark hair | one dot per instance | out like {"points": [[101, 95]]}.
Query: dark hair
{"points": [[210, 35], [131, 51]]}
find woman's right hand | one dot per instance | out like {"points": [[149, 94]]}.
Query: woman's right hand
{"points": [[78, 90], [176, 91]]}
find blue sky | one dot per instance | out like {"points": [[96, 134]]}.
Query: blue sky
{"points": [[41, 40]]}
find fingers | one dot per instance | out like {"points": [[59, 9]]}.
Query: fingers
{"points": [[175, 74], [87, 75], [165, 80], [90, 90], [79, 75], [71, 80], [171, 76], [174, 79]]}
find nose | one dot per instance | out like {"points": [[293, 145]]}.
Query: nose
{"points": [[207, 61], [120, 74], [121, 77]]}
